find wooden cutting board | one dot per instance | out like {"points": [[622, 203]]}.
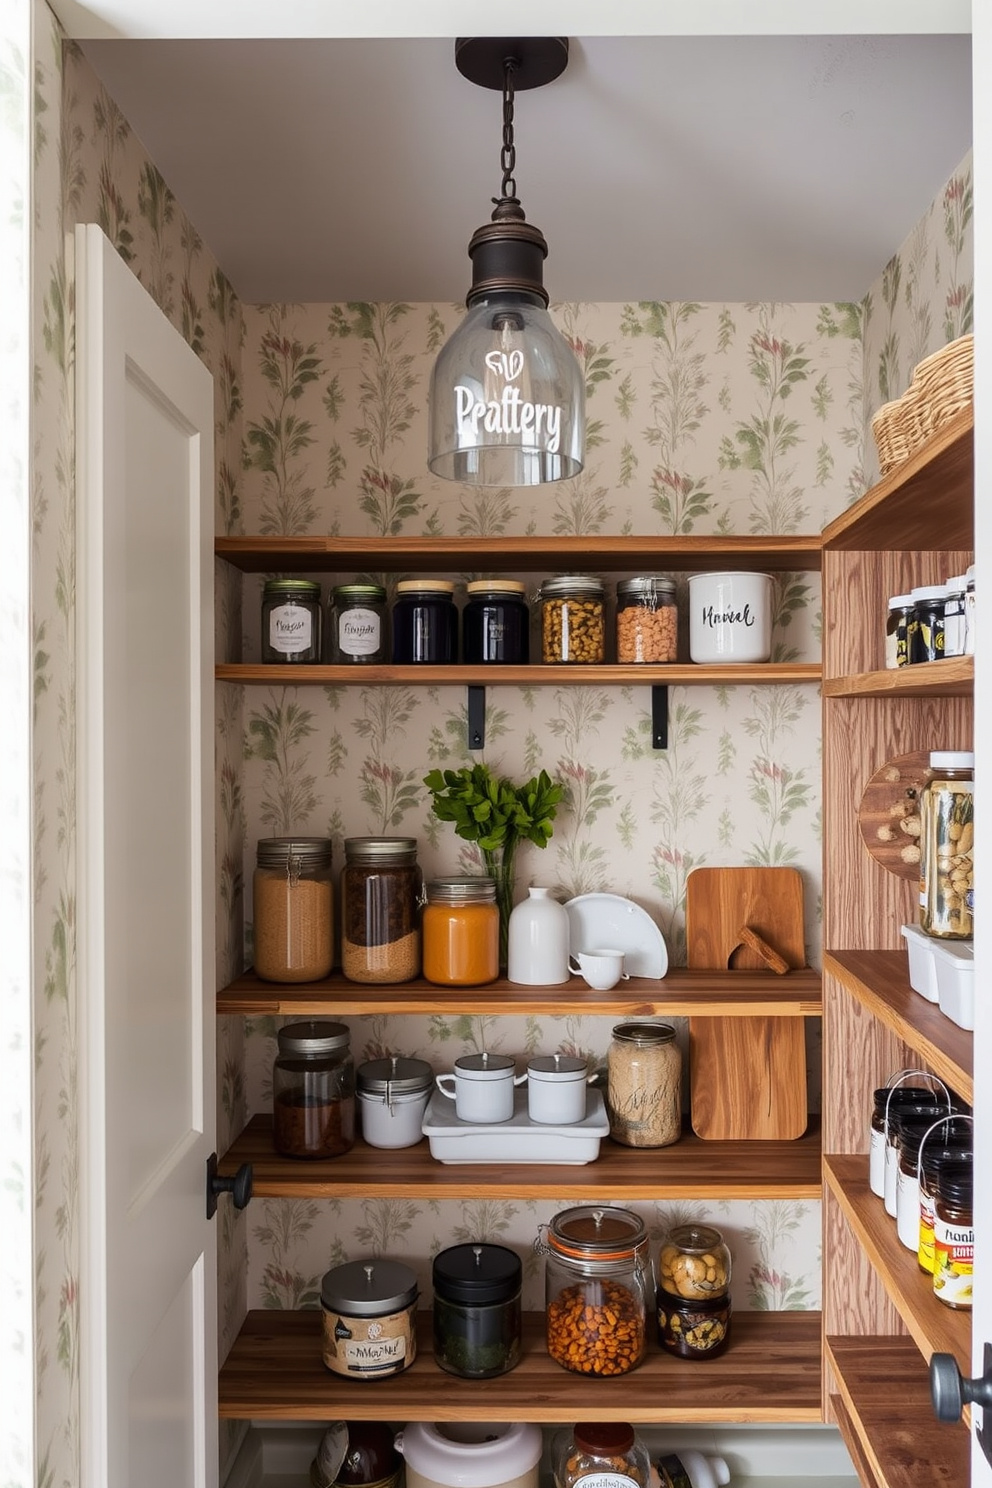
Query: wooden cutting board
{"points": [[747, 1076]]}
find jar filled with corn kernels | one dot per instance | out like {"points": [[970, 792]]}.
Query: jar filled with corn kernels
{"points": [[598, 1280], [573, 619], [647, 620]]}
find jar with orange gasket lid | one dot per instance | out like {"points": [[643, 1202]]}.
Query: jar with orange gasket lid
{"points": [[598, 1281], [461, 931]]}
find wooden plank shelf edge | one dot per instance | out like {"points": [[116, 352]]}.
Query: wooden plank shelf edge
{"points": [[770, 1372], [689, 1169], [535, 674], [952, 677]]}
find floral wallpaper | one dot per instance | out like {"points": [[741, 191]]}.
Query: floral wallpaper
{"points": [[702, 417]]}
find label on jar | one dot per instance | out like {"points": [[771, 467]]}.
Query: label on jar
{"points": [[359, 632], [954, 1259], [599, 1479], [290, 628], [925, 1253], [369, 1346]]}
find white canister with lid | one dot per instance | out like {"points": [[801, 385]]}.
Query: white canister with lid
{"points": [[730, 617], [392, 1099], [482, 1087], [468, 1454], [537, 941], [556, 1089]]}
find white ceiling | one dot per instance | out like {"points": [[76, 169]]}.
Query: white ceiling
{"points": [[659, 167]]}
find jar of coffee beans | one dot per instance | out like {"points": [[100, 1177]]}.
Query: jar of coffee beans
{"points": [[573, 619], [313, 1090]]}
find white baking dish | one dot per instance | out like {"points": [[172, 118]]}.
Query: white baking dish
{"points": [[922, 964], [955, 962], [518, 1140]]}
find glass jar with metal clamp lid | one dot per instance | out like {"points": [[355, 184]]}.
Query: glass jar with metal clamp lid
{"points": [[293, 909], [598, 1284]]}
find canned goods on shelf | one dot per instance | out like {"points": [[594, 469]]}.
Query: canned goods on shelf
{"points": [[573, 619]]}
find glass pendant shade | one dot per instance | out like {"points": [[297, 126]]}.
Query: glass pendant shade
{"points": [[507, 398]]}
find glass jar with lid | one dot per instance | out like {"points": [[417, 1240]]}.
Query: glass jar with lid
{"points": [[381, 888], [647, 620], [954, 1236], [495, 623], [926, 625], [644, 1085], [954, 620], [897, 628], [948, 1145], [293, 908], [461, 931], [693, 1298], [598, 1283], [425, 622], [291, 630], [313, 1090], [477, 1316], [573, 619], [947, 846], [357, 628], [600, 1454]]}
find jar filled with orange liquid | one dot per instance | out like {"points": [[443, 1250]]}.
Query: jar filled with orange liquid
{"points": [[460, 932]]}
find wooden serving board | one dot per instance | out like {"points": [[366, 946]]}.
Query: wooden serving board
{"points": [[747, 1076]]}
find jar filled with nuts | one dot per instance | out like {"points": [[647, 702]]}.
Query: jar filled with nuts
{"points": [[947, 846], [694, 1292], [597, 1283], [647, 620], [601, 1454], [573, 619]]}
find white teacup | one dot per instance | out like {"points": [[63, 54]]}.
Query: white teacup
{"points": [[602, 968]]}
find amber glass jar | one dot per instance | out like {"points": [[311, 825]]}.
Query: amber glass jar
{"points": [[461, 932], [313, 1090], [597, 1286], [380, 909], [601, 1454], [293, 909]]}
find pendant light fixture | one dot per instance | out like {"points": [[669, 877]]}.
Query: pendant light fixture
{"points": [[507, 396]]}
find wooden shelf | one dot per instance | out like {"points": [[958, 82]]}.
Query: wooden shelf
{"points": [[879, 980], [699, 994], [953, 677], [278, 674], [925, 503], [769, 1372], [689, 1169], [885, 1402], [934, 1327], [443, 555]]}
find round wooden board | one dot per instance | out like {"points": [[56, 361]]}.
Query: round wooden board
{"points": [[891, 796]]}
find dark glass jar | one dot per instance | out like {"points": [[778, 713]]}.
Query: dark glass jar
{"points": [[597, 1287], [313, 1090], [477, 1317], [425, 622], [897, 630], [291, 631], [888, 1098], [357, 629], [647, 620], [932, 1163], [381, 889], [926, 627], [954, 1237], [495, 623], [693, 1329]]}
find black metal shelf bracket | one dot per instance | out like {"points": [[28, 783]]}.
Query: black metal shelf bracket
{"points": [[659, 716], [476, 717]]}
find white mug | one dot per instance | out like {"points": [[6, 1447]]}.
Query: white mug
{"points": [[482, 1087], [602, 968], [556, 1089]]}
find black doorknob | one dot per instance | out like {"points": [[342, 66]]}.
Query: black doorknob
{"points": [[239, 1187], [951, 1392]]}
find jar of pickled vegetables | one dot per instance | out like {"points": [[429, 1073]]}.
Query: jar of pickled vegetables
{"points": [[947, 846]]}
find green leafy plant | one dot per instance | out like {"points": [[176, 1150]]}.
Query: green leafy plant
{"points": [[495, 814]]}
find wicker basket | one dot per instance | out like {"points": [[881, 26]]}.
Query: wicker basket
{"points": [[945, 382], [894, 431]]}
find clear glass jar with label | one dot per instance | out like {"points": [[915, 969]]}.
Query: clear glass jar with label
{"points": [[291, 629], [644, 1085], [313, 1090], [926, 625], [947, 846], [954, 620], [357, 628], [601, 1454], [293, 907]]}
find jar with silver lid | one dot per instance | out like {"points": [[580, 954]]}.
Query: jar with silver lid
{"points": [[291, 631], [644, 1085], [573, 619], [369, 1310], [293, 908], [313, 1090], [392, 1098], [647, 620], [381, 889], [357, 629]]}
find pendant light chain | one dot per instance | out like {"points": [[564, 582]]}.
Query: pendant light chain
{"points": [[508, 154]]}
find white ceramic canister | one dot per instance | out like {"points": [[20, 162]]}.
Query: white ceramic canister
{"points": [[468, 1454], [556, 1089], [392, 1099], [730, 617], [537, 953], [688, 1469], [482, 1087]]}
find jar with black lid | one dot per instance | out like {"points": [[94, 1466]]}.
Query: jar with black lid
{"points": [[425, 622], [573, 619], [381, 889], [954, 1236], [477, 1316], [598, 1282], [313, 1090], [887, 1098], [947, 1144], [291, 631], [897, 628], [357, 629], [926, 626], [647, 620], [495, 623]]}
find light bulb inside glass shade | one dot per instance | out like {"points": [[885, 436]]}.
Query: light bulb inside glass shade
{"points": [[507, 398]]}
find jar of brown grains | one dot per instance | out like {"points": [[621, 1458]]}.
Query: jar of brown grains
{"points": [[381, 899], [313, 1090], [293, 909], [598, 1283], [647, 620], [644, 1085]]}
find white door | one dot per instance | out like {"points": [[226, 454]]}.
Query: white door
{"points": [[146, 963]]}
